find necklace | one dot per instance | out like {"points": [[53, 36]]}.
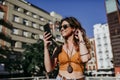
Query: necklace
{"points": [[69, 67]]}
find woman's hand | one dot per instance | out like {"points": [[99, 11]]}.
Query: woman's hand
{"points": [[78, 34], [46, 39]]}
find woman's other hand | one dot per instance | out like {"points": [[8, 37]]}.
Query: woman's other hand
{"points": [[78, 34]]}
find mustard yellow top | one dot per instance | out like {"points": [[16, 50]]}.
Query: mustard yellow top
{"points": [[75, 61]]}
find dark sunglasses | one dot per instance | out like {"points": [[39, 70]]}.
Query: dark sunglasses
{"points": [[64, 26]]}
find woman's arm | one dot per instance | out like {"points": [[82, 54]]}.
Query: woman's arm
{"points": [[84, 53], [49, 63], [47, 60]]}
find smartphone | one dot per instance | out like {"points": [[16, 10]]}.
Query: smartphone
{"points": [[47, 29]]}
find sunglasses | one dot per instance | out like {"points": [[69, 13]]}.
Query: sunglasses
{"points": [[65, 26]]}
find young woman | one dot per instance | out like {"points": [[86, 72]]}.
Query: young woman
{"points": [[74, 53]]}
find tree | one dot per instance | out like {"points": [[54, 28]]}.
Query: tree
{"points": [[33, 60], [11, 61]]}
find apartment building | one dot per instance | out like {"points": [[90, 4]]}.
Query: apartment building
{"points": [[113, 17], [55, 29], [104, 54], [5, 38], [27, 22], [92, 63], [5, 27]]}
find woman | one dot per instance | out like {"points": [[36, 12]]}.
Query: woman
{"points": [[74, 53]]}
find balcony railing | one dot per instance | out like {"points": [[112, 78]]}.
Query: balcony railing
{"points": [[43, 78]]}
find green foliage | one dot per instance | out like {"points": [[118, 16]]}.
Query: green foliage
{"points": [[3, 55], [12, 63], [30, 62], [33, 57], [33, 60]]}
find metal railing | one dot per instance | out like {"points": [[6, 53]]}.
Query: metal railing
{"points": [[102, 78], [43, 78]]}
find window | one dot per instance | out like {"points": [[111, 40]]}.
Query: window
{"points": [[58, 36], [105, 44], [56, 28], [34, 15], [26, 34], [106, 51], [17, 45], [93, 67], [1, 15], [90, 68], [108, 62], [101, 62], [98, 37], [42, 19], [0, 28], [16, 18], [93, 55], [25, 22], [34, 25], [26, 12], [41, 36], [41, 27], [16, 8], [104, 36], [15, 31], [99, 45], [24, 45], [36, 36]]}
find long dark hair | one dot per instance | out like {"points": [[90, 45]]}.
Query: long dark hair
{"points": [[74, 23]]}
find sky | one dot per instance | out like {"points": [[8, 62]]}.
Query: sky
{"points": [[88, 12]]}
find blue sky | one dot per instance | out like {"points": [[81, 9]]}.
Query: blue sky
{"points": [[88, 12]]}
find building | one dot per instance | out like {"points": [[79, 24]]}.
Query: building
{"points": [[113, 17], [5, 38], [92, 63], [22, 23], [5, 27], [55, 29], [103, 49], [27, 22]]}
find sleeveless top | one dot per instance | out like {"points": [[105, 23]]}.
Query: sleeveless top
{"points": [[75, 61]]}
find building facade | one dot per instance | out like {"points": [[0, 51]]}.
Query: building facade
{"points": [[113, 17], [27, 23], [56, 23], [22, 23], [92, 63], [5, 27], [103, 49]]}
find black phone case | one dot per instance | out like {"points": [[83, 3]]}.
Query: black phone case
{"points": [[47, 29]]}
